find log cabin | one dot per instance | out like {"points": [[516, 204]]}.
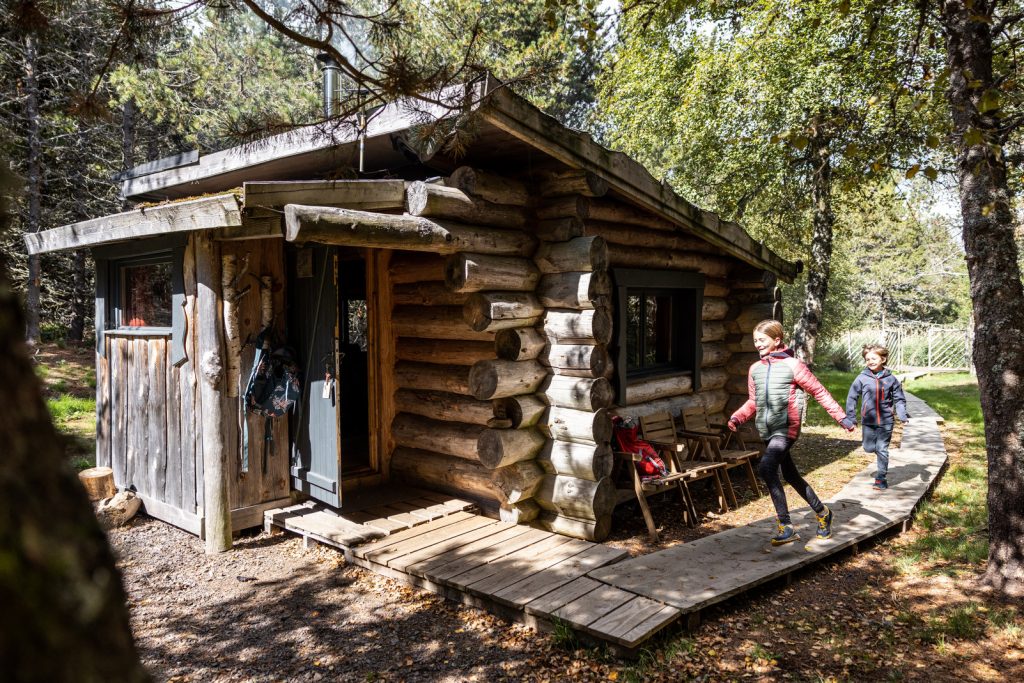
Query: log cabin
{"points": [[465, 324]]}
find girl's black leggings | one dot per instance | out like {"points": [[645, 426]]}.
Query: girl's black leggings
{"points": [[776, 456]]}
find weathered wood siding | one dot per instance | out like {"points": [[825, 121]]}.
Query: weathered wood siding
{"points": [[144, 412], [147, 409]]}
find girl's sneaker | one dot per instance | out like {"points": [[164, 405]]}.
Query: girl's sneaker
{"points": [[824, 524], [880, 485], [786, 534]]}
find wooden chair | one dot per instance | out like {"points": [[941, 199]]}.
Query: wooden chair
{"points": [[642, 490], [659, 429], [710, 443]]}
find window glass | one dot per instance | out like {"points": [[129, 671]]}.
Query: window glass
{"points": [[633, 322], [146, 295]]}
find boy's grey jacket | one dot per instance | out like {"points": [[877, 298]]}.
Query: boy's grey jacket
{"points": [[880, 393]]}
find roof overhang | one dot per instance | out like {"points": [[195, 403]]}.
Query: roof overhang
{"points": [[507, 125]]}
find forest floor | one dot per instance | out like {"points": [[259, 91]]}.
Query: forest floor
{"points": [[907, 609]]}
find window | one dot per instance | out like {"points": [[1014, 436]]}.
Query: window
{"points": [[140, 290], [659, 324], [144, 292]]}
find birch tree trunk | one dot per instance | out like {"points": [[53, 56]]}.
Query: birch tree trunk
{"points": [[805, 335], [997, 295]]}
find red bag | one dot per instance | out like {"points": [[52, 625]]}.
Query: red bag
{"points": [[650, 465]]}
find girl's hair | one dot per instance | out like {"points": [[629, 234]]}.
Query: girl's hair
{"points": [[882, 352], [771, 328]]}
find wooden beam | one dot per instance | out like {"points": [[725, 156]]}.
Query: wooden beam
{"points": [[365, 195], [207, 213], [351, 228]]}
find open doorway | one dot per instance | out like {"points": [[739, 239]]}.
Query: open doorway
{"points": [[353, 376]]}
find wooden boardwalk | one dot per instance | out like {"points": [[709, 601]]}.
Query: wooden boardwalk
{"points": [[542, 578], [712, 569]]}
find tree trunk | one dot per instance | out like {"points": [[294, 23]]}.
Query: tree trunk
{"points": [[127, 142], [60, 585], [80, 296], [805, 336], [34, 186], [996, 292]]}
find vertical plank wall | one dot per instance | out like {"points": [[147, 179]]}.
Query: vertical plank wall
{"points": [[147, 426]]}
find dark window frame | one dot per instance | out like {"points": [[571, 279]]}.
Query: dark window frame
{"points": [[111, 260], [687, 294], [119, 291]]}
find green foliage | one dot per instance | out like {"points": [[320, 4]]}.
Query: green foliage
{"points": [[229, 77]]}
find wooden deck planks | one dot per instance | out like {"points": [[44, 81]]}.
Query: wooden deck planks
{"points": [[476, 558], [524, 568], [486, 531], [632, 623], [412, 532], [547, 604], [509, 561], [532, 587], [472, 551], [437, 533], [308, 521], [591, 606]]}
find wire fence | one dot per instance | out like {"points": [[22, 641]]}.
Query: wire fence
{"points": [[912, 346]]}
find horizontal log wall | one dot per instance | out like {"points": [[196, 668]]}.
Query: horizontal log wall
{"points": [[503, 360], [736, 297]]}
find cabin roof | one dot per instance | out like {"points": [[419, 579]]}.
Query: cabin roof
{"points": [[508, 133]]}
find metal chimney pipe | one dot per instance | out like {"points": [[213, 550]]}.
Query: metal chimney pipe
{"points": [[331, 85]]}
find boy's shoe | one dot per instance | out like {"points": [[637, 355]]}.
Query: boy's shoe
{"points": [[824, 524], [880, 485], [786, 534]]}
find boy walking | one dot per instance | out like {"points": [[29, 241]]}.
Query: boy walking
{"points": [[882, 400]]}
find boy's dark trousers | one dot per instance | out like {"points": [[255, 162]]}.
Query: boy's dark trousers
{"points": [[876, 440], [777, 457]]}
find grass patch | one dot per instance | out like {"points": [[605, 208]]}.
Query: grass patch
{"points": [[960, 623], [838, 384], [953, 524], [563, 635], [660, 657], [66, 407]]}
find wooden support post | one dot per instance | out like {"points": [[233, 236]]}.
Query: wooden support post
{"points": [[216, 509], [504, 447], [493, 311], [522, 343], [499, 378], [574, 290], [572, 181]]}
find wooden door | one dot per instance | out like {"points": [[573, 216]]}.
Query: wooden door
{"points": [[313, 329]]}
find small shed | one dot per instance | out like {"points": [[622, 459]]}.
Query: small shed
{"points": [[465, 325]]}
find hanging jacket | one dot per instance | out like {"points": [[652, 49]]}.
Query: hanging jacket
{"points": [[773, 385], [881, 396]]}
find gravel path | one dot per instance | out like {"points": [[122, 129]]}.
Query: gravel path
{"points": [[272, 611]]}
